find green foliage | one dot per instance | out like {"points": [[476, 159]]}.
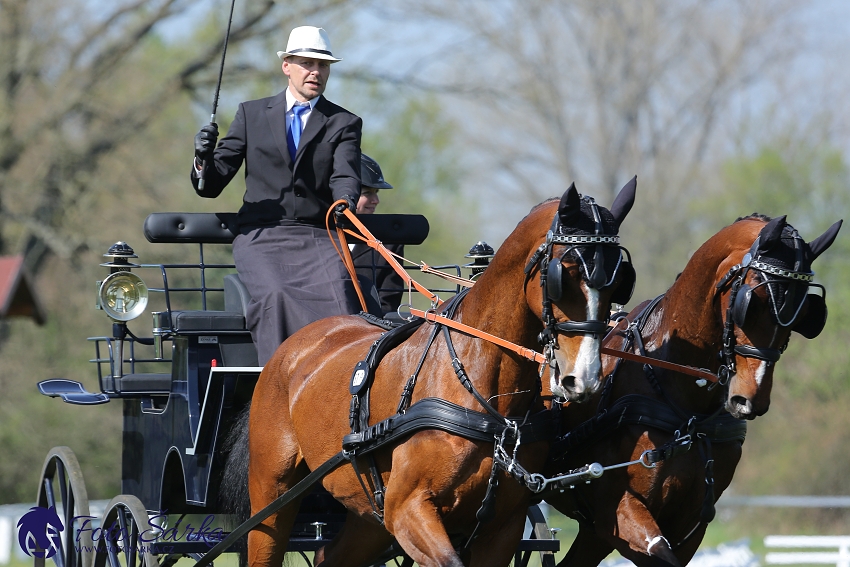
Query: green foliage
{"points": [[415, 149]]}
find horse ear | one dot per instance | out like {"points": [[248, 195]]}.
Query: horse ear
{"points": [[771, 233], [824, 241], [570, 206], [624, 201]]}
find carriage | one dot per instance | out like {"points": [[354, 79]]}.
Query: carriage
{"points": [[181, 389], [746, 290]]}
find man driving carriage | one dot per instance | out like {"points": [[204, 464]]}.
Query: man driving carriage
{"points": [[301, 154]]}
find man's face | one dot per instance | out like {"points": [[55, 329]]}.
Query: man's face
{"points": [[368, 201], [307, 77]]}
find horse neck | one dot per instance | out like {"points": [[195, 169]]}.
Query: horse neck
{"points": [[497, 305], [686, 326]]}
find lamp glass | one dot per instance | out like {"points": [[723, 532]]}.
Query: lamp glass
{"points": [[124, 296]]}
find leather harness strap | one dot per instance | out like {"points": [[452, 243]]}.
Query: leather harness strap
{"points": [[690, 370], [433, 317]]}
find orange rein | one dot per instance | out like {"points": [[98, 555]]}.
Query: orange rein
{"points": [[374, 243], [429, 315], [433, 317]]}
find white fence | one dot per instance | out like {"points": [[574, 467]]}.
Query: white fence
{"points": [[819, 550]]}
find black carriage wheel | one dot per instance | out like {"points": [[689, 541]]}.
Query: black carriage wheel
{"points": [[62, 487], [126, 536]]}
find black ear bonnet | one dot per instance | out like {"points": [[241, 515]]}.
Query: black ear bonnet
{"points": [[782, 268], [600, 257]]}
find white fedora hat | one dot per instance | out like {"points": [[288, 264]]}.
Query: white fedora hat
{"points": [[309, 41]]}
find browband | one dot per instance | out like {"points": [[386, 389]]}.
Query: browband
{"points": [[789, 274], [583, 239]]}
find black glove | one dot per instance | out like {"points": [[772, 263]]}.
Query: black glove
{"points": [[349, 204], [205, 141]]}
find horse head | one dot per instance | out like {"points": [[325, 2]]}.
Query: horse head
{"points": [[764, 297], [582, 270]]}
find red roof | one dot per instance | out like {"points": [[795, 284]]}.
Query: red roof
{"points": [[17, 296]]}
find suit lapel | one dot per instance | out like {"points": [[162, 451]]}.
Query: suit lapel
{"points": [[315, 124], [276, 115]]}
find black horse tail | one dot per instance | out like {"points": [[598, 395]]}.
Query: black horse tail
{"points": [[233, 493]]}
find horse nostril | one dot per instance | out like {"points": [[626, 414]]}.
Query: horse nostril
{"points": [[741, 404], [568, 382]]}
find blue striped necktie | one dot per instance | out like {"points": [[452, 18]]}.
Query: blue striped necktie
{"points": [[294, 134]]}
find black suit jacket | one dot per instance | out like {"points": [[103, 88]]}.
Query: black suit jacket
{"points": [[326, 168], [388, 283]]}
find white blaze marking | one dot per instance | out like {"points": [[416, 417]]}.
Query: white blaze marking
{"points": [[760, 372], [588, 352], [587, 363]]}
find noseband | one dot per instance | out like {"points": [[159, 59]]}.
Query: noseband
{"points": [[551, 275], [741, 294]]}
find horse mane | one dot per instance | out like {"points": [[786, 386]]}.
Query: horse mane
{"points": [[754, 216]]}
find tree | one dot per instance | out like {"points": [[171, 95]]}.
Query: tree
{"points": [[81, 84], [97, 114], [547, 92]]}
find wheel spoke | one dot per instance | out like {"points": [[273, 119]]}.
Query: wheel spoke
{"points": [[112, 551]]}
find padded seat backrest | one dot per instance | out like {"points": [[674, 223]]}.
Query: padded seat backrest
{"points": [[236, 296]]}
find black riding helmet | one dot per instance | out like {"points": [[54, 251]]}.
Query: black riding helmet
{"points": [[370, 174]]}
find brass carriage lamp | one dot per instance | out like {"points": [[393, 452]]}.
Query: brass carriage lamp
{"points": [[122, 294], [481, 253]]}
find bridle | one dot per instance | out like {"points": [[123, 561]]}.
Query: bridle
{"points": [[551, 277], [786, 314]]}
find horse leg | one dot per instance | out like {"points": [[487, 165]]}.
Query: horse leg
{"points": [[275, 465], [587, 550], [638, 537], [419, 529], [358, 542]]}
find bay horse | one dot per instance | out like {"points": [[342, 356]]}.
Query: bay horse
{"points": [[730, 311], [426, 489]]}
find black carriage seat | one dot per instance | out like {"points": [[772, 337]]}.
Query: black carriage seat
{"points": [[192, 322], [222, 228], [143, 384]]}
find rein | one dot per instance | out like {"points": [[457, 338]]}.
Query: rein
{"points": [[431, 316], [689, 370]]}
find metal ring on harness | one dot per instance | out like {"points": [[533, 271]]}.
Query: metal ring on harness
{"points": [[409, 315]]}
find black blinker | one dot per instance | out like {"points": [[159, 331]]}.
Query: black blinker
{"points": [[813, 323], [553, 280], [742, 305], [626, 288]]}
